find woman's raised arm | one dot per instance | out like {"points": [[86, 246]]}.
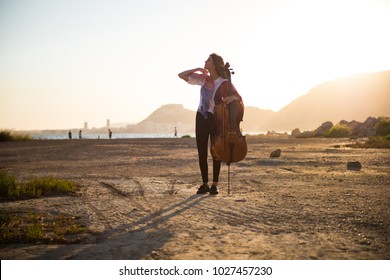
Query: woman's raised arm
{"points": [[186, 74]]}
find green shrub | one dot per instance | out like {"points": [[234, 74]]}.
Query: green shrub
{"points": [[383, 127], [7, 135], [375, 142], [338, 131]]}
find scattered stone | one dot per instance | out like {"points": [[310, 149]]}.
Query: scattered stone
{"points": [[276, 153], [354, 165]]}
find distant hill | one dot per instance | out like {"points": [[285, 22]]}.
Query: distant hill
{"points": [[353, 98], [257, 120], [166, 118]]}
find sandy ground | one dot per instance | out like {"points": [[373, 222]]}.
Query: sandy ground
{"points": [[137, 199]]}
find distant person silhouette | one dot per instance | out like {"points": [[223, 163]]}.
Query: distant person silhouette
{"points": [[175, 135], [110, 133], [80, 134], [70, 134]]}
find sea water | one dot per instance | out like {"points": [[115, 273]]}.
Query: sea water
{"points": [[57, 136]]}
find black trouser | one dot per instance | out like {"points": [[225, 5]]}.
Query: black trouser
{"points": [[206, 128]]}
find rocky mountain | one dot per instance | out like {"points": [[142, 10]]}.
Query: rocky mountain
{"points": [[353, 98]]}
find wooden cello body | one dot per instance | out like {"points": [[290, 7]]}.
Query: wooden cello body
{"points": [[229, 145]]}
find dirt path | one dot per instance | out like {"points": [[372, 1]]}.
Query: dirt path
{"points": [[137, 200]]}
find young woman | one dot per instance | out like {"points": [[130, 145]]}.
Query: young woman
{"points": [[210, 78]]}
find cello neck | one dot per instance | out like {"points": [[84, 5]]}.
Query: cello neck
{"points": [[229, 73]]}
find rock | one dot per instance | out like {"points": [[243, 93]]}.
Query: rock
{"points": [[355, 128], [276, 153], [324, 128], [354, 165], [295, 132], [359, 129]]}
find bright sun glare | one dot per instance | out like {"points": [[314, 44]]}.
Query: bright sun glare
{"points": [[308, 43]]}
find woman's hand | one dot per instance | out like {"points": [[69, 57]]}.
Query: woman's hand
{"points": [[202, 70], [229, 99]]}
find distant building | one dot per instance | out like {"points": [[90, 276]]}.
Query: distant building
{"points": [[108, 123], [85, 125]]}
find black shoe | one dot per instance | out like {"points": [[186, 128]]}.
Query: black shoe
{"points": [[214, 190], [203, 189]]}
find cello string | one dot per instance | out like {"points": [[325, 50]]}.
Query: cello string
{"points": [[228, 179]]}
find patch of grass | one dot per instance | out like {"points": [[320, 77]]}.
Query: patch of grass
{"points": [[33, 227], [4, 218], [8, 135], [8, 185], [38, 227], [33, 187], [34, 231], [36, 187], [65, 226], [375, 142]]}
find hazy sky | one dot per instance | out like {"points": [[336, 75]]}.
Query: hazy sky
{"points": [[63, 63]]}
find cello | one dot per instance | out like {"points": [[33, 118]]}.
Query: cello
{"points": [[229, 145]]}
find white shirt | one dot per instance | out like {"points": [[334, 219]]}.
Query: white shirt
{"points": [[200, 80]]}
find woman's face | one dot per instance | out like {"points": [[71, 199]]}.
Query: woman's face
{"points": [[209, 64]]}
